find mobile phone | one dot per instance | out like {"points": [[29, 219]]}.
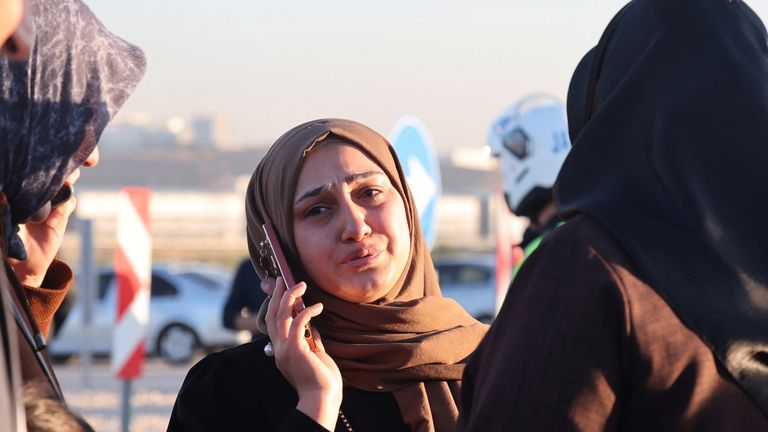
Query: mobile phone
{"points": [[63, 195], [278, 266]]}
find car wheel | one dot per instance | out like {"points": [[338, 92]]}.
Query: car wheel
{"points": [[177, 344]]}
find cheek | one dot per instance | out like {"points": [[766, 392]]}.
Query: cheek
{"points": [[300, 238], [313, 247], [400, 236]]}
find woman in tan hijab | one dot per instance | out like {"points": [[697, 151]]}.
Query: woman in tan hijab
{"points": [[391, 349]]}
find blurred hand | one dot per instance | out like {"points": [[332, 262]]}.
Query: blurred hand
{"points": [[42, 242], [314, 375]]}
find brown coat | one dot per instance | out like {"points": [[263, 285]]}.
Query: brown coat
{"points": [[582, 343], [41, 304]]}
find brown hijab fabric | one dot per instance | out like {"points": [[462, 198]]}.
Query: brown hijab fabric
{"points": [[413, 342]]}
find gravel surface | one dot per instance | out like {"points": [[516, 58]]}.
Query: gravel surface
{"points": [[97, 395]]}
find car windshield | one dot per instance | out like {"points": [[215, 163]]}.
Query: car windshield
{"points": [[462, 274]]}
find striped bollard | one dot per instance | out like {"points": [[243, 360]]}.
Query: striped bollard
{"points": [[133, 271]]}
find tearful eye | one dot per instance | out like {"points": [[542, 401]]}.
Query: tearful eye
{"points": [[315, 211]]}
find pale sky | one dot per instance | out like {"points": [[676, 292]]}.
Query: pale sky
{"points": [[268, 66]]}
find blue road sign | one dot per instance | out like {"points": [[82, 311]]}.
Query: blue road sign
{"points": [[419, 160]]}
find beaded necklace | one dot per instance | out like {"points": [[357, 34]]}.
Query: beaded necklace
{"points": [[345, 421]]}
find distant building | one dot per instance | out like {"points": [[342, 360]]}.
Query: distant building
{"points": [[211, 132], [131, 132]]}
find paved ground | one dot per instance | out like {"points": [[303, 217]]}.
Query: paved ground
{"points": [[98, 396]]}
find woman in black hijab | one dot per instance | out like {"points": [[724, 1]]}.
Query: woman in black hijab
{"points": [[55, 100], [648, 309]]}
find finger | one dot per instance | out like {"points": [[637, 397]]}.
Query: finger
{"points": [[71, 205], [273, 307], [59, 217], [268, 285], [317, 338], [297, 331], [285, 313]]}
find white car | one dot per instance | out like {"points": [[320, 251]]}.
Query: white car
{"points": [[471, 281], [184, 314]]}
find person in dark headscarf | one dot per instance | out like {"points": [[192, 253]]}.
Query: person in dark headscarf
{"points": [[63, 76], [648, 308], [391, 348], [14, 42]]}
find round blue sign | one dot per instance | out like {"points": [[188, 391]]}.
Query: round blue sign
{"points": [[422, 170]]}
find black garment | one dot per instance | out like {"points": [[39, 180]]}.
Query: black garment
{"points": [[668, 122], [245, 293], [241, 389], [583, 343], [533, 232]]}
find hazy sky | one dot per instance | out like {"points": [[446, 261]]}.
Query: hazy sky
{"points": [[268, 66]]}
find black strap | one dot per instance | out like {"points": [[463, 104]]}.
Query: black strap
{"points": [[32, 335]]}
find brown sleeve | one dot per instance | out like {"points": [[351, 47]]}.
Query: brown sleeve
{"points": [[553, 358], [44, 301]]}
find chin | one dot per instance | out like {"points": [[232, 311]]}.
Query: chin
{"points": [[368, 295]]}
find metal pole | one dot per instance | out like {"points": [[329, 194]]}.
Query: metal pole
{"points": [[485, 216], [126, 416], [88, 287]]}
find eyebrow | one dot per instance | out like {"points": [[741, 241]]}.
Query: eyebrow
{"points": [[326, 187]]}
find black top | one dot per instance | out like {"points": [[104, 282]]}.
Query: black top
{"points": [[667, 116], [245, 293], [241, 389], [582, 343]]}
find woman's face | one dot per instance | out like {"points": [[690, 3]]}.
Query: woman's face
{"points": [[350, 225]]}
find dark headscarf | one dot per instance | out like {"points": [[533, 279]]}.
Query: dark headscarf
{"points": [[413, 342], [669, 120], [54, 106]]}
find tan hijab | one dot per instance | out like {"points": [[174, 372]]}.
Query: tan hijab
{"points": [[413, 342]]}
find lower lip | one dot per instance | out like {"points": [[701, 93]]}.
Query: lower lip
{"points": [[363, 261]]}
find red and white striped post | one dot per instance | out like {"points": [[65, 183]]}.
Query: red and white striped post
{"points": [[133, 271]]}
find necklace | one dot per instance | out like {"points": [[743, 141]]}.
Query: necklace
{"points": [[345, 421]]}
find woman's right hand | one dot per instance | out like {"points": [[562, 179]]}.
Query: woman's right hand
{"points": [[313, 374]]}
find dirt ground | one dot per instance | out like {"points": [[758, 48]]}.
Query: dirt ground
{"points": [[97, 395]]}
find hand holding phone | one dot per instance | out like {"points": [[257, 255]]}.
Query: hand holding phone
{"points": [[277, 265]]}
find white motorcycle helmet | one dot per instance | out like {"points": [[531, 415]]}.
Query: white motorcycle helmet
{"points": [[530, 139]]}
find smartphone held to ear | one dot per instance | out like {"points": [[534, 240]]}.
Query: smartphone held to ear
{"points": [[277, 265], [63, 195]]}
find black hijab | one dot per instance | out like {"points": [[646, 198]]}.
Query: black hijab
{"points": [[669, 120], [54, 106]]}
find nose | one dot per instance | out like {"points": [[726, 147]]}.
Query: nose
{"points": [[355, 226], [93, 158]]}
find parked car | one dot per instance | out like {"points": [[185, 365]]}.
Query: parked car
{"points": [[184, 314], [471, 281]]}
